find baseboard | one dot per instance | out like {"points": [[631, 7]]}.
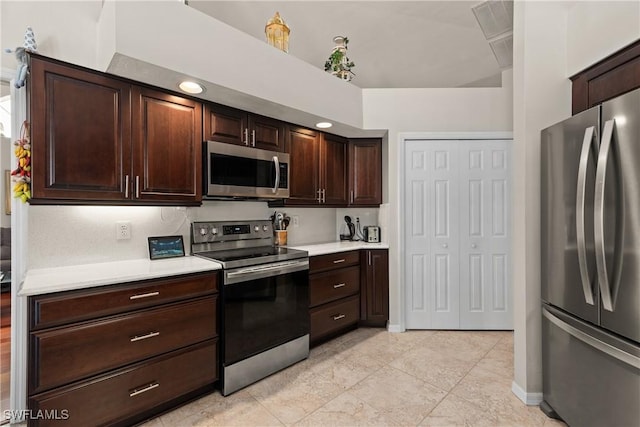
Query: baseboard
{"points": [[529, 399], [394, 328]]}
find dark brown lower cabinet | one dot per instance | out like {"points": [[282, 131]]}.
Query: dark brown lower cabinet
{"points": [[334, 294], [125, 396], [150, 346], [347, 289], [374, 287]]}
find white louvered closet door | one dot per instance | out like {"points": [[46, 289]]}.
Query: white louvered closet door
{"points": [[456, 217]]}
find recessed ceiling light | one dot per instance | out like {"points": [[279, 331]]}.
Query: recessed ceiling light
{"points": [[323, 125], [191, 87]]}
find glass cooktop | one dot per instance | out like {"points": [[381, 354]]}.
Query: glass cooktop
{"points": [[252, 256]]}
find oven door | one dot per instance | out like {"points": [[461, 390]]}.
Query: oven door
{"points": [[263, 307], [245, 172]]}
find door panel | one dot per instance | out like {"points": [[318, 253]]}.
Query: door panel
{"points": [[81, 133], [417, 240], [304, 174], [624, 159], [561, 283], [485, 291], [442, 190], [167, 144], [334, 170]]}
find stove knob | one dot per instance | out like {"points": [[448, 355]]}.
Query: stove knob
{"points": [[256, 228], [265, 228], [203, 231], [214, 231]]}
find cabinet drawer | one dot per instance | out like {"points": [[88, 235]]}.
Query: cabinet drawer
{"points": [[66, 307], [122, 395], [71, 353], [337, 260], [333, 284], [334, 316]]}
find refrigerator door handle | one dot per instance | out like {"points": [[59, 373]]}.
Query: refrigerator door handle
{"points": [[606, 293], [592, 341], [589, 136]]}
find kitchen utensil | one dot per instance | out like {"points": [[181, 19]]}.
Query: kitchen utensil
{"points": [[279, 220], [348, 230], [286, 222]]}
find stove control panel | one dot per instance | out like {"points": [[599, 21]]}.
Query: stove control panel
{"points": [[224, 231]]}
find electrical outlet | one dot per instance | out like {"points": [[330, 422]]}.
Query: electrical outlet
{"points": [[123, 230], [296, 221]]}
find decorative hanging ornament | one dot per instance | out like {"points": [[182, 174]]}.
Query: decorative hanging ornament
{"points": [[277, 32], [21, 176], [338, 63]]}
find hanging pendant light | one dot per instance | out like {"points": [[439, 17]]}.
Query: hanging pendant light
{"points": [[277, 33]]}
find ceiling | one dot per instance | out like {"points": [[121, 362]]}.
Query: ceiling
{"points": [[394, 44]]}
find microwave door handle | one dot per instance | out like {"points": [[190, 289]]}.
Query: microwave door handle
{"points": [[589, 134], [276, 163]]}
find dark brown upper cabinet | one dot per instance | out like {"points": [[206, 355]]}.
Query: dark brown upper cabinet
{"points": [[613, 76], [365, 172], [318, 168], [231, 126], [80, 134], [101, 140], [167, 138]]}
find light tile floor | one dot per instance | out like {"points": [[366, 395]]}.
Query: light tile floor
{"points": [[370, 377]]}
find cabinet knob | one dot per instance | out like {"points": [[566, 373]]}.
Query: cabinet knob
{"points": [[473, 245], [444, 245]]}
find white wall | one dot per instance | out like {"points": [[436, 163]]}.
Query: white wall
{"points": [[596, 29], [65, 30], [426, 110], [552, 41]]}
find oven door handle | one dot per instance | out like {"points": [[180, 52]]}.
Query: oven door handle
{"points": [[269, 270]]}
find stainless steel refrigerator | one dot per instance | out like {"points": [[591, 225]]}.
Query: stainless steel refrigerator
{"points": [[590, 197]]}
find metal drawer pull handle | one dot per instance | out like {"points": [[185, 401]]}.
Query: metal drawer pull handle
{"points": [[137, 391], [339, 316], [147, 295], [338, 261], [144, 337], [339, 285]]}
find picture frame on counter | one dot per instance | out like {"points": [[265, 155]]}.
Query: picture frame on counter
{"points": [[161, 247]]}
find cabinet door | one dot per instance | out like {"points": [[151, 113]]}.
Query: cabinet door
{"points": [[333, 170], [167, 147], [266, 133], [304, 175], [374, 292], [224, 124], [80, 132], [365, 172]]}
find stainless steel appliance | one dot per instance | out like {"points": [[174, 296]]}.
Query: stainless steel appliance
{"points": [[234, 171], [265, 299], [348, 229], [591, 265], [372, 234]]}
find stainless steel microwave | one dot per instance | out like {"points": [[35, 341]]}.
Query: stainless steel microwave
{"points": [[234, 171]]}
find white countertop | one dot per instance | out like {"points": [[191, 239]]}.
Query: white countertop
{"points": [[341, 246], [47, 280]]}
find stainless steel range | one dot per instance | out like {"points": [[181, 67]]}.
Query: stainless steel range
{"points": [[265, 299]]}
